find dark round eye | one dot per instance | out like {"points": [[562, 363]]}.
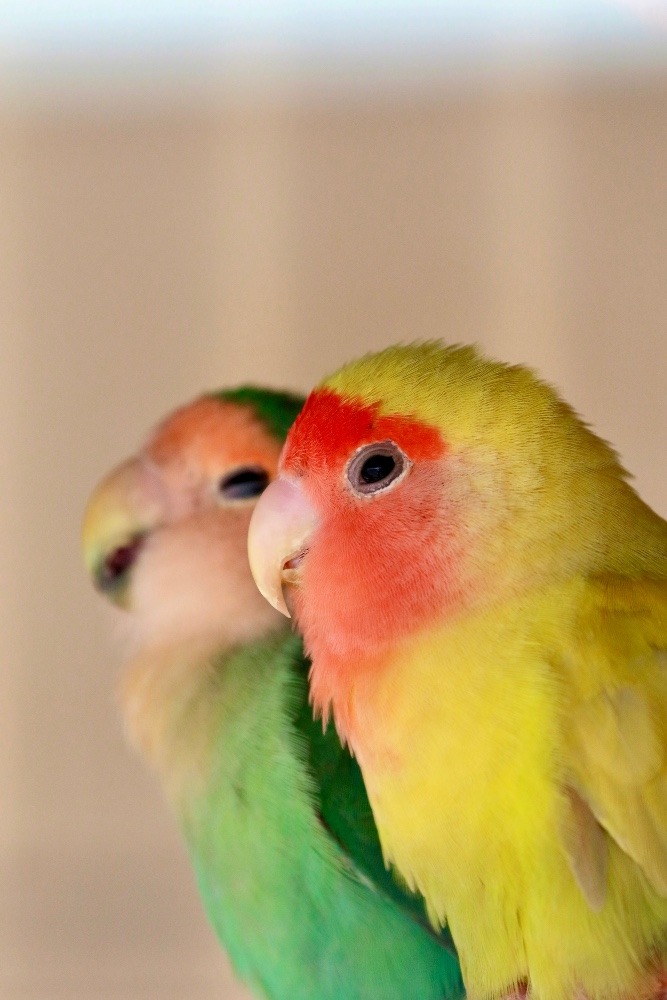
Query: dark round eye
{"points": [[376, 466], [247, 482]]}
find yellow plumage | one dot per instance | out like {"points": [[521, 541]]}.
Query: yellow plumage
{"points": [[515, 749], [483, 811]]}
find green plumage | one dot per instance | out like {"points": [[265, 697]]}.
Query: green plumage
{"points": [[276, 410], [300, 918], [274, 810]]}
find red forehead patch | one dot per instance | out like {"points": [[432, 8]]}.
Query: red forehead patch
{"points": [[330, 427]]}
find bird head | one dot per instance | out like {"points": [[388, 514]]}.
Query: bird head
{"points": [[419, 483], [164, 534]]}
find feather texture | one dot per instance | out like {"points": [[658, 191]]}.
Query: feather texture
{"points": [[273, 809], [491, 634], [279, 829]]}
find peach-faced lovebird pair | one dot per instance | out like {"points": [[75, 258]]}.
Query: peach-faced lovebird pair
{"points": [[484, 600], [273, 809]]}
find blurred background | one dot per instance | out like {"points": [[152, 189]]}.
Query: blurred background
{"points": [[198, 194]]}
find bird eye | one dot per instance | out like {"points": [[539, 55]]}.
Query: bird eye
{"points": [[376, 466], [247, 482]]}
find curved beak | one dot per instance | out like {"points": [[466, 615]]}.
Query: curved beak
{"points": [[280, 530], [123, 509]]}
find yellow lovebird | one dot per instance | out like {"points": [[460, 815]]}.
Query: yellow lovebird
{"points": [[484, 599]]}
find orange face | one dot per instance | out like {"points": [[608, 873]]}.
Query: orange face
{"points": [[165, 533], [383, 552], [209, 455]]}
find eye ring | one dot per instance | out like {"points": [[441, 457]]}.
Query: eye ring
{"points": [[243, 483], [377, 467]]}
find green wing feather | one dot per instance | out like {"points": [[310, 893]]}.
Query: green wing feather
{"points": [[344, 807], [301, 915]]}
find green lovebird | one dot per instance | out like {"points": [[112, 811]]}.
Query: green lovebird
{"points": [[215, 695]]}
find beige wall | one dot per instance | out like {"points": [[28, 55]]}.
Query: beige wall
{"points": [[146, 255]]}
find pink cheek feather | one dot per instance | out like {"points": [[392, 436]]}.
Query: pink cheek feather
{"points": [[379, 567]]}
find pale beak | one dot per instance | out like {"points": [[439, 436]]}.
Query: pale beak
{"points": [[123, 509], [280, 530]]}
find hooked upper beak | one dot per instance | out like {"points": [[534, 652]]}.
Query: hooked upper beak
{"points": [[123, 509], [280, 529]]}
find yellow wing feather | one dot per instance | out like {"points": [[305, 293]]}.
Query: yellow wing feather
{"points": [[619, 734], [586, 847]]}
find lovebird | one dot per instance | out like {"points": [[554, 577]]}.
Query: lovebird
{"points": [[273, 810], [484, 598]]}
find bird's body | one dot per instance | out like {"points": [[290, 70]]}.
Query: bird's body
{"points": [[273, 809], [230, 737], [487, 621], [514, 857]]}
